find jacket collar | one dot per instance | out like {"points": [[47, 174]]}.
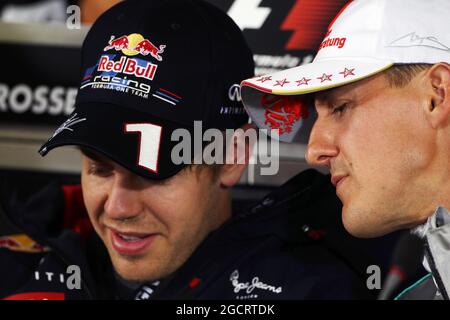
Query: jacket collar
{"points": [[436, 232]]}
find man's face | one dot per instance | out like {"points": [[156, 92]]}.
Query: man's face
{"points": [[380, 152], [150, 228]]}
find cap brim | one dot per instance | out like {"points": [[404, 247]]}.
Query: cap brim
{"points": [[292, 121], [101, 127]]}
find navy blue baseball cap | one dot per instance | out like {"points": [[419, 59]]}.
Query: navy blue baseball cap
{"points": [[149, 68]]}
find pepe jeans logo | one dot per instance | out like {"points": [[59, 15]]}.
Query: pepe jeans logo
{"points": [[249, 287]]}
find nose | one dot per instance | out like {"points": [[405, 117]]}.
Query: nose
{"points": [[321, 146], [123, 201]]}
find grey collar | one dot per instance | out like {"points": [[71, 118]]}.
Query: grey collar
{"points": [[440, 217]]}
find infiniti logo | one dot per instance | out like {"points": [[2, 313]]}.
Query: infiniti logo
{"points": [[234, 93]]}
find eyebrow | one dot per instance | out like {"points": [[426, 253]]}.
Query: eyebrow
{"points": [[92, 154], [330, 94], [323, 99]]}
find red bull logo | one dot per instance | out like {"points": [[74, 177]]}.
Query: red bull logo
{"points": [[9, 243], [128, 66], [117, 44], [283, 111], [134, 44], [22, 243], [145, 47]]}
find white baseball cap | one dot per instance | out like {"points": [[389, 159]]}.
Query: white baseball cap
{"points": [[365, 38]]}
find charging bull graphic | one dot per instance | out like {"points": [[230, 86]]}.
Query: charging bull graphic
{"points": [[22, 243], [134, 44], [117, 44], [283, 111], [145, 47]]}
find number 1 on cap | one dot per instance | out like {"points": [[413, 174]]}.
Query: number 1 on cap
{"points": [[149, 142]]}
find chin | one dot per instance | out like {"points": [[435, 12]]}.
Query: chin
{"points": [[135, 269], [136, 275], [359, 224], [136, 278]]}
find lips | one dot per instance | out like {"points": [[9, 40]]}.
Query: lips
{"points": [[337, 179], [130, 243]]}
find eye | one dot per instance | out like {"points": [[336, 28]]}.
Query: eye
{"points": [[99, 169], [340, 109]]}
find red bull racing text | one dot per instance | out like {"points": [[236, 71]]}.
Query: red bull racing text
{"points": [[127, 66], [124, 72]]}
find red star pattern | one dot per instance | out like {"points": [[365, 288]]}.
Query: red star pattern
{"points": [[264, 79], [281, 82], [325, 77], [347, 72], [302, 81]]}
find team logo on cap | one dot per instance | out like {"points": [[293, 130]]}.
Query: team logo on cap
{"points": [[135, 44], [282, 112], [113, 71], [127, 66], [332, 42]]}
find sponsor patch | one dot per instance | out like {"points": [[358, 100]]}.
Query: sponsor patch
{"points": [[22, 243]]}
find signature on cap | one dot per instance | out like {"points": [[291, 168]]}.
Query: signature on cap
{"points": [[73, 120], [413, 40]]}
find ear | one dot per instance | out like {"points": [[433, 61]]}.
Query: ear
{"points": [[238, 152], [438, 79]]}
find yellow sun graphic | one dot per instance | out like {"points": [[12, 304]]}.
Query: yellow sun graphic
{"points": [[133, 40]]}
